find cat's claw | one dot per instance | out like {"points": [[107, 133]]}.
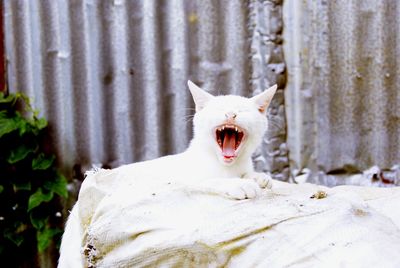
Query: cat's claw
{"points": [[244, 189], [263, 180], [232, 188]]}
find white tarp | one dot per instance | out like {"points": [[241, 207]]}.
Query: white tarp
{"points": [[177, 224]]}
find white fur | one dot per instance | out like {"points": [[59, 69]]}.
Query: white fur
{"points": [[201, 164]]}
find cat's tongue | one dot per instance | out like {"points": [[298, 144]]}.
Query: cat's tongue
{"points": [[228, 146]]}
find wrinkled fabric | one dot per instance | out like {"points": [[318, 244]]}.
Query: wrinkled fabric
{"points": [[177, 224]]}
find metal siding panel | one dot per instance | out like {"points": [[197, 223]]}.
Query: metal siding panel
{"points": [[18, 16], [210, 42], [111, 75], [342, 88], [115, 81], [67, 140], [86, 130], [267, 67], [151, 82], [235, 22], [176, 69], [137, 59]]}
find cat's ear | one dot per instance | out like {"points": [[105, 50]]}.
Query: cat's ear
{"points": [[263, 99], [200, 96]]}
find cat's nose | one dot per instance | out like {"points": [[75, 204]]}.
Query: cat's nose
{"points": [[230, 115]]}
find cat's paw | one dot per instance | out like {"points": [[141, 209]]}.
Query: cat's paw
{"points": [[242, 189], [263, 180]]}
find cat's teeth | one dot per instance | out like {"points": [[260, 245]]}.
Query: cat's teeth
{"points": [[236, 129], [223, 127]]}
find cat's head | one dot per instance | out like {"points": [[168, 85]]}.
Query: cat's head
{"points": [[230, 126]]}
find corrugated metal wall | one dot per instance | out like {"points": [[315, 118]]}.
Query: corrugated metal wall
{"points": [[343, 100], [268, 65], [111, 75]]}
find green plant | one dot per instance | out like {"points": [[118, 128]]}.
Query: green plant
{"points": [[30, 184]]}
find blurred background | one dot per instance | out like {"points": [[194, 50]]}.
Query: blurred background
{"points": [[110, 77]]}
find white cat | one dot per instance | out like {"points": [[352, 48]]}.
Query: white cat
{"points": [[227, 130]]}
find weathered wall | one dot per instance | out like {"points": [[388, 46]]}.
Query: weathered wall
{"points": [[110, 76], [268, 67], [343, 86]]}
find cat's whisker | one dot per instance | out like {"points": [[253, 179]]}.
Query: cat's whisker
{"points": [[188, 118]]}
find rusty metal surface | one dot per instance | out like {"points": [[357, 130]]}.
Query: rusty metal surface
{"points": [[110, 76], [342, 95]]}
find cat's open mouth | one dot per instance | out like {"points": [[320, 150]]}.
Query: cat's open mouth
{"points": [[229, 138]]}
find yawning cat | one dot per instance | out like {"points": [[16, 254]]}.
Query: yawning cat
{"points": [[227, 130]]}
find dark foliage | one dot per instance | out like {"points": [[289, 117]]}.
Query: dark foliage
{"points": [[30, 184]]}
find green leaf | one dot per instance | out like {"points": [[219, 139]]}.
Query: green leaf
{"points": [[38, 223], [1, 188], [14, 237], [6, 99], [39, 197], [42, 162], [22, 186], [45, 237], [59, 185], [23, 127], [21, 228], [41, 123], [20, 153], [7, 124]]}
